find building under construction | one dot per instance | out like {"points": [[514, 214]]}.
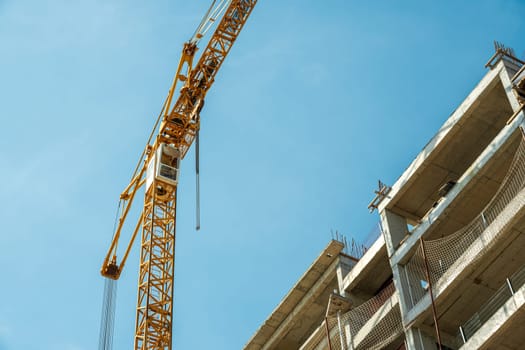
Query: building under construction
{"points": [[447, 270]]}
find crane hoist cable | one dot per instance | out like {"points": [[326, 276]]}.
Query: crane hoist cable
{"points": [[209, 19], [197, 184], [157, 171]]}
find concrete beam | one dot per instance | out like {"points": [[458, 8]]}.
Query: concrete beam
{"points": [[507, 84], [319, 333], [491, 78], [311, 295], [311, 284], [318, 339], [407, 247]]}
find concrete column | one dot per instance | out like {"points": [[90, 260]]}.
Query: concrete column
{"points": [[343, 267], [394, 230], [349, 342], [403, 290], [417, 340]]}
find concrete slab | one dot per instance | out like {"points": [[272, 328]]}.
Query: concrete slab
{"points": [[477, 119], [438, 214], [370, 272], [303, 308]]}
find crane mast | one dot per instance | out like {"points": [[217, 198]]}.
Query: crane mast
{"points": [[158, 171]]}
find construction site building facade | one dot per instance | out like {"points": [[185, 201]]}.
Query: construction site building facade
{"points": [[447, 270]]}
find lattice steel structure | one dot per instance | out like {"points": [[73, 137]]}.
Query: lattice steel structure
{"points": [[175, 130], [156, 273]]}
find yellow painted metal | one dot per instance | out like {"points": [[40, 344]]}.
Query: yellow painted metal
{"points": [[178, 127], [186, 60], [155, 286], [110, 267]]}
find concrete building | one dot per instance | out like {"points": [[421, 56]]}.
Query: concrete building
{"points": [[448, 269]]}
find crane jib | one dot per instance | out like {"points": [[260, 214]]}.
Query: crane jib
{"points": [[180, 125]]}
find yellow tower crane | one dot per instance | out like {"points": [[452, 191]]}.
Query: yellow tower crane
{"points": [[158, 171]]}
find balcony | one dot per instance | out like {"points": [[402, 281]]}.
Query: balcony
{"points": [[458, 143], [468, 142], [375, 324], [463, 260], [499, 309]]}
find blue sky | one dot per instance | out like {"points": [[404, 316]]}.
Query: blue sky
{"points": [[316, 102]]}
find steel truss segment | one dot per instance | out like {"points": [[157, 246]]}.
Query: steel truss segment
{"points": [[179, 128], [179, 120], [155, 292]]}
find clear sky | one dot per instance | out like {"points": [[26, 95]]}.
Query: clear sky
{"points": [[316, 102]]}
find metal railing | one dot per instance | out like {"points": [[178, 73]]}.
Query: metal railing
{"points": [[502, 295]]}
